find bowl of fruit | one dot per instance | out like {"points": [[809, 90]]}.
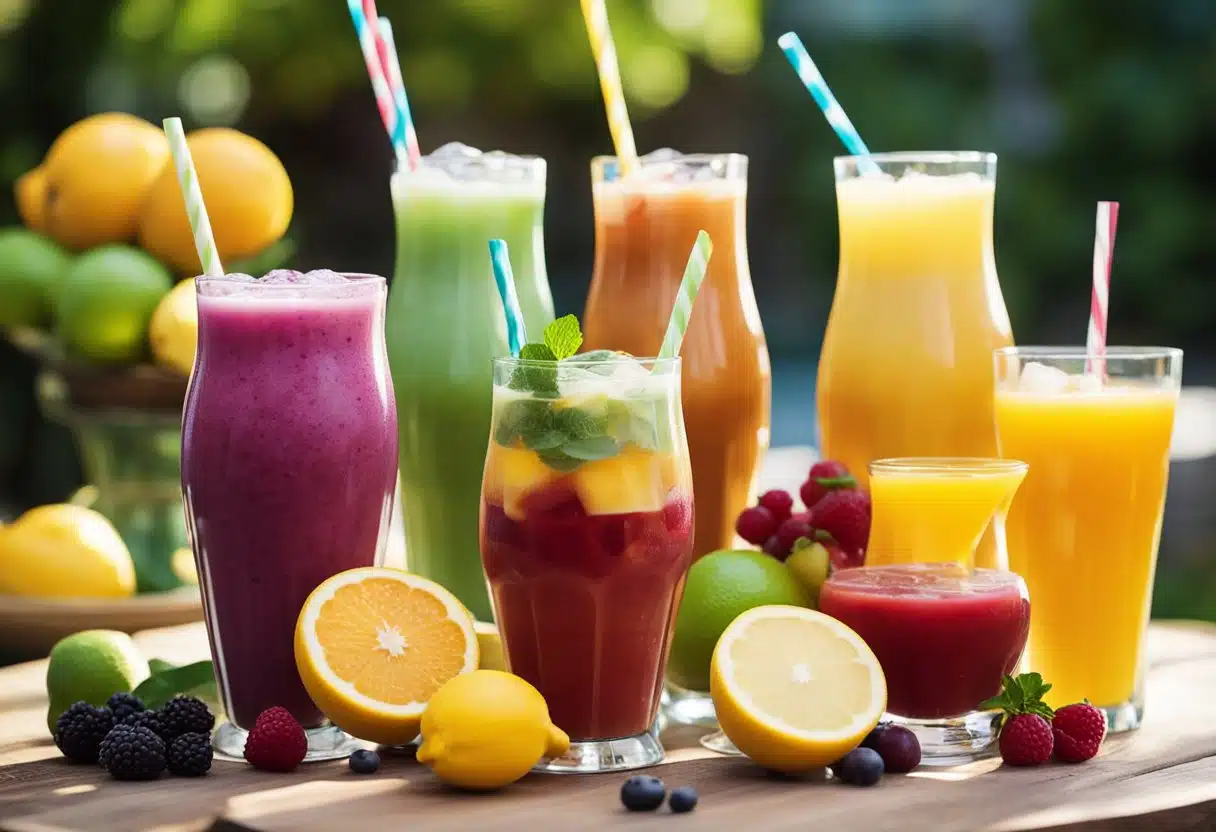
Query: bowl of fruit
{"points": [[96, 288]]}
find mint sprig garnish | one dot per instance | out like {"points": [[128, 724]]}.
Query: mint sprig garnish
{"points": [[562, 340], [1021, 694]]}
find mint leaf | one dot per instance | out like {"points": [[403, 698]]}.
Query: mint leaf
{"points": [[522, 417], [592, 448], [634, 422], [563, 337], [168, 682], [577, 423], [537, 352], [559, 461], [544, 440]]}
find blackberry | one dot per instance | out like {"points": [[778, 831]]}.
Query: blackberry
{"points": [[132, 753], [80, 731], [185, 715], [123, 705], [146, 719], [190, 755]]}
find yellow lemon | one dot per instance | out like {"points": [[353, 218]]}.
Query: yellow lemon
{"points": [[92, 183], [794, 689], [247, 193], [182, 563], [490, 645], [64, 551], [487, 729], [173, 330], [373, 644]]}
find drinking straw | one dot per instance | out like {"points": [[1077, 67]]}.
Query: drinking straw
{"points": [[397, 87], [1099, 304], [690, 284], [196, 211], [500, 259], [812, 78], [393, 123], [595, 13]]}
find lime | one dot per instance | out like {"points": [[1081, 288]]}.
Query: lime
{"points": [[105, 303], [810, 565], [30, 267], [91, 665], [720, 587]]}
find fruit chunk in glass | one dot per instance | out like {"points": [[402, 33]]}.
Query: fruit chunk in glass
{"points": [[586, 536]]}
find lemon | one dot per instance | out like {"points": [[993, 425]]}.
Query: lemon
{"points": [[719, 587], [64, 551], [182, 563], [91, 666], [373, 644], [489, 644], [173, 331], [486, 729], [794, 689]]}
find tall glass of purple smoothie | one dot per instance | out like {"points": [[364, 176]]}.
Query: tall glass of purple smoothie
{"points": [[289, 463]]}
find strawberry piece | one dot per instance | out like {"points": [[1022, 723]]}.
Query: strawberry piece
{"points": [[277, 742], [1026, 735], [755, 524], [839, 558], [845, 515], [1077, 731], [824, 476]]}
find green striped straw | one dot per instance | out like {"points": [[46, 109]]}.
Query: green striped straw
{"points": [[690, 284], [187, 178]]}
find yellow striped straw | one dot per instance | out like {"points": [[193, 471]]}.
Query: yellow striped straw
{"points": [[595, 13]]}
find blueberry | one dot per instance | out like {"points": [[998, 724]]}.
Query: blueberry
{"points": [[861, 767], [364, 761], [683, 799], [871, 740], [643, 793], [899, 749]]}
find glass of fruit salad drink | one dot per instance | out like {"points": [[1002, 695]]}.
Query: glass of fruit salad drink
{"points": [[586, 536], [945, 635]]}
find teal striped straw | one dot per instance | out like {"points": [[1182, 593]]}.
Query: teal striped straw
{"points": [[812, 78], [690, 284], [500, 259]]}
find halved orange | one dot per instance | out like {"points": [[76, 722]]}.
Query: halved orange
{"points": [[373, 644]]}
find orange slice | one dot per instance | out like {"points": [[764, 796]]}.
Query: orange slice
{"points": [[373, 644]]}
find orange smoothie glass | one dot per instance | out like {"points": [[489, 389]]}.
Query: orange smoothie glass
{"points": [[906, 367], [936, 509], [1084, 528]]}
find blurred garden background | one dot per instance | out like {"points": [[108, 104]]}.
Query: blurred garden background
{"points": [[1082, 100]]}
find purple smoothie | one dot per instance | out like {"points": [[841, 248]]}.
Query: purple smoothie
{"points": [[289, 462]]}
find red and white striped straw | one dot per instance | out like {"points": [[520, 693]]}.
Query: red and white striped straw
{"points": [[365, 29], [1099, 306]]}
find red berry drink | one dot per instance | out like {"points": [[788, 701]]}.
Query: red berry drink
{"points": [[586, 536], [289, 449], [945, 636]]}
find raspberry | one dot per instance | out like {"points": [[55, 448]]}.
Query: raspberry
{"points": [[755, 524], [845, 515], [788, 533], [824, 476], [1026, 738], [185, 715], [277, 742], [80, 730], [778, 502], [131, 753], [122, 705], [1077, 731], [190, 755]]}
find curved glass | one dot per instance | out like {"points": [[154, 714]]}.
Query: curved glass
{"points": [[1084, 528], [288, 468], [586, 535]]}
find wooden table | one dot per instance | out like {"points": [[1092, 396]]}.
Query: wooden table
{"points": [[1161, 778]]}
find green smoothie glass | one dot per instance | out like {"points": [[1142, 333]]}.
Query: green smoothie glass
{"points": [[443, 326]]}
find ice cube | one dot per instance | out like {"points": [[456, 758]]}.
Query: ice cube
{"points": [[326, 277], [1087, 383], [628, 369], [1040, 378], [282, 277], [663, 154], [240, 277], [575, 381], [452, 151]]}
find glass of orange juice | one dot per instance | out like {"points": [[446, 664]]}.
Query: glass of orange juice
{"points": [[935, 509], [1083, 529]]}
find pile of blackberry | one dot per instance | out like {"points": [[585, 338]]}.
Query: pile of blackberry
{"points": [[136, 743]]}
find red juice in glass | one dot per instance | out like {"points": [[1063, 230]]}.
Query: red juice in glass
{"points": [[586, 536], [945, 636]]}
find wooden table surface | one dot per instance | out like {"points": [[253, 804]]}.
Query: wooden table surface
{"points": [[1161, 778]]}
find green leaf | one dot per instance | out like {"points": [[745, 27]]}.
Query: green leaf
{"points": [[537, 378], [544, 440], [163, 685], [592, 448], [577, 423], [537, 352], [633, 421], [520, 418], [564, 337], [559, 461]]}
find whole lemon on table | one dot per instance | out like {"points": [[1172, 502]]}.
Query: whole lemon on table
{"points": [[92, 183], [245, 188], [173, 332], [486, 729], [91, 666], [64, 551]]}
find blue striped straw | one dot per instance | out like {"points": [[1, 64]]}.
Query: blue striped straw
{"points": [[517, 335], [397, 85], [792, 46]]}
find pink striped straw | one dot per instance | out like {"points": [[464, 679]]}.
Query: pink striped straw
{"points": [[1099, 305], [366, 30], [397, 85]]}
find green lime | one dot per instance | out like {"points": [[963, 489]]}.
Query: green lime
{"points": [[30, 268], [721, 586], [810, 564], [91, 665], [105, 303]]}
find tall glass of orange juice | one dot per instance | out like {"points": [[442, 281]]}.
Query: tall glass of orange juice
{"points": [[1083, 529], [906, 367]]}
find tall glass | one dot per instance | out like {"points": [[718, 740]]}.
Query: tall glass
{"points": [[906, 367], [586, 537], [289, 446], [1084, 528], [444, 325]]}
